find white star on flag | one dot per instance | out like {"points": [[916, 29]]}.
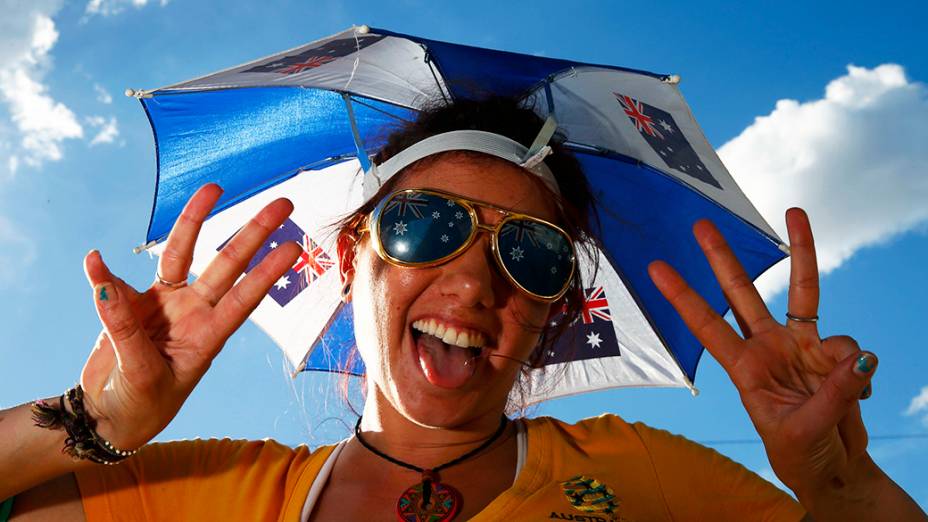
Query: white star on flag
{"points": [[436, 214], [667, 127], [593, 340], [444, 238], [282, 283], [399, 228], [516, 254], [273, 244]]}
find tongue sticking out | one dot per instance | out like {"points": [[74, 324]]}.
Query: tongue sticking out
{"points": [[444, 365]]}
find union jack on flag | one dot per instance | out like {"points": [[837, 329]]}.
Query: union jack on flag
{"points": [[310, 63], [313, 261], [410, 201], [595, 305], [662, 133], [522, 230]]}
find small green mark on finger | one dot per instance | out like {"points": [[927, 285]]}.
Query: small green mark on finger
{"points": [[103, 295]]}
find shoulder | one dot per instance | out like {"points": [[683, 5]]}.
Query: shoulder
{"points": [[606, 426], [614, 429], [201, 478], [212, 457]]}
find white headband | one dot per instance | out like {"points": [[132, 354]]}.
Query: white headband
{"points": [[531, 159]]}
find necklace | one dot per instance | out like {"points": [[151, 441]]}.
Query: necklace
{"points": [[429, 500]]}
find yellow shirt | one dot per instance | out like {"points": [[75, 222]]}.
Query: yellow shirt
{"points": [[597, 470]]}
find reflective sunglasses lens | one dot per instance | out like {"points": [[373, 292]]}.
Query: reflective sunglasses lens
{"points": [[536, 255], [417, 227]]}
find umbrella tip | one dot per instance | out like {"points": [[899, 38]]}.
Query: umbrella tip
{"points": [[672, 79], [362, 29], [137, 93]]}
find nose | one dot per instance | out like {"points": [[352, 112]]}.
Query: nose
{"points": [[470, 277]]}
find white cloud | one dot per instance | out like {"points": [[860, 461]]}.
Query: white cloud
{"points": [[112, 7], [919, 405], [17, 251], [27, 35], [103, 96], [854, 160], [108, 129]]}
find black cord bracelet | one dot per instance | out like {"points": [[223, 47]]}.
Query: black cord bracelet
{"points": [[83, 441]]}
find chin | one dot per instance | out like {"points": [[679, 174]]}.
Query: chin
{"points": [[435, 407]]}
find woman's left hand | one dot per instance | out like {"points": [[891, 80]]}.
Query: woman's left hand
{"points": [[800, 391]]}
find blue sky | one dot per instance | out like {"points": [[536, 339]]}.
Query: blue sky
{"points": [[771, 87]]}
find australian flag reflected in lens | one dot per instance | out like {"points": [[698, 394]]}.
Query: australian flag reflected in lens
{"points": [[592, 336], [662, 133], [312, 263]]}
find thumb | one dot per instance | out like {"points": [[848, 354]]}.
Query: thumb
{"points": [[840, 391], [134, 351]]}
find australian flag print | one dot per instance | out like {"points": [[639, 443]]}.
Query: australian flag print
{"points": [[661, 132], [591, 336], [312, 263], [317, 56]]}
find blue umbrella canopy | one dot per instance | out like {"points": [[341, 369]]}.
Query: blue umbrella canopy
{"points": [[304, 122]]}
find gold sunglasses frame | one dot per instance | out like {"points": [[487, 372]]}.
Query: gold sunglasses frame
{"points": [[476, 226]]}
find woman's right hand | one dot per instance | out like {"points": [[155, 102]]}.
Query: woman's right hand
{"points": [[157, 344]]}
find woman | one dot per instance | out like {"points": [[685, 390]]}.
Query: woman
{"points": [[444, 332]]}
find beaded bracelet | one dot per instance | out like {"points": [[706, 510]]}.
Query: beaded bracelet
{"points": [[82, 442]]}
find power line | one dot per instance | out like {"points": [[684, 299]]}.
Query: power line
{"points": [[901, 436]]}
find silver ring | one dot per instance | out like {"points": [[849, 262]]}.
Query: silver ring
{"points": [[813, 319], [170, 284]]}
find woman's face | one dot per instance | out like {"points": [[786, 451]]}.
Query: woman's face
{"points": [[399, 311]]}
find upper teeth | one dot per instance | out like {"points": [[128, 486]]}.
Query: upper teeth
{"points": [[450, 334]]}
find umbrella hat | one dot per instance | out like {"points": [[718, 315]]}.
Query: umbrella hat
{"points": [[303, 123]]}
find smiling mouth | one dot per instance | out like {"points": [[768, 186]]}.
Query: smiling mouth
{"points": [[469, 340], [447, 354]]}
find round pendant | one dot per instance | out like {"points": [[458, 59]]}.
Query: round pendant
{"points": [[444, 504]]}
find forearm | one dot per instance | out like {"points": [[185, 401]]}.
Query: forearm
{"points": [[30, 455], [865, 493]]}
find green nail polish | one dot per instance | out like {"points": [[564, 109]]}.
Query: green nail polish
{"points": [[866, 393], [865, 363], [103, 295]]}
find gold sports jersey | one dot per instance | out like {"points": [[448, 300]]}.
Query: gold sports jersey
{"points": [[600, 469]]}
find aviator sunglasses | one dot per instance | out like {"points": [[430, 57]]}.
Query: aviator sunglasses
{"points": [[425, 228]]}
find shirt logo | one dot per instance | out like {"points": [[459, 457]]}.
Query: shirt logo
{"points": [[591, 497]]}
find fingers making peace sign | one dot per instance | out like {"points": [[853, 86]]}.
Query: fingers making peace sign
{"points": [[800, 391], [157, 344]]}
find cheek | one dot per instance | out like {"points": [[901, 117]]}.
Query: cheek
{"points": [[524, 321], [381, 295]]}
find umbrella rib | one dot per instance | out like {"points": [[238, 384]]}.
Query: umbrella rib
{"points": [[360, 101], [428, 61]]}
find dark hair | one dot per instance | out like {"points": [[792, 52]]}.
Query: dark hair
{"points": [[516, 120]]}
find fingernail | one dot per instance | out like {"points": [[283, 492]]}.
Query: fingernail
{"points": [[105, 294], [868, 391], [865, 364]]}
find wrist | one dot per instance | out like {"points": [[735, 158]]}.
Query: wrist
{"points": [[83, 442], [845, 496]]}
